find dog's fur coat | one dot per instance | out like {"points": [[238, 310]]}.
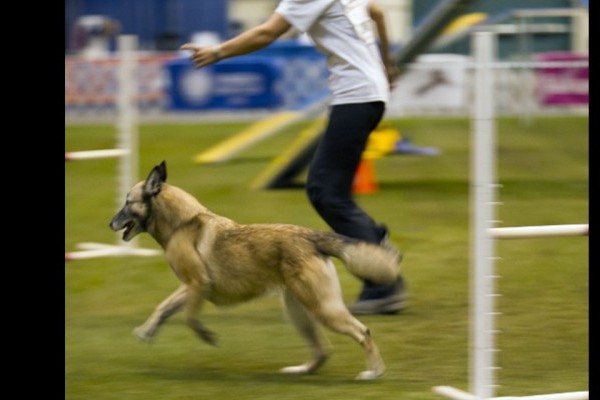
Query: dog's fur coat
{"points": [[219, 260]]}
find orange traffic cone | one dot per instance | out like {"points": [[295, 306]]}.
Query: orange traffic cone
{"points": [[364, 178]]}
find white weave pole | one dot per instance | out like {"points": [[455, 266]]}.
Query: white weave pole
{"points": [[127, 121], [483, 160], [483, 201], [482, 197], [127, 152]]}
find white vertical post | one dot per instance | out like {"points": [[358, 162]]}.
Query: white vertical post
{"points": [[399, 11], [127, 121], [482, 351], [127, 149], [581, 31], [525, 92]]}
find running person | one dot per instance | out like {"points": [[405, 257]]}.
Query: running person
{"points": [[360, 77]]}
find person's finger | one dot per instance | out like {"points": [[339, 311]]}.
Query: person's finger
{"points": [[188, 46]]}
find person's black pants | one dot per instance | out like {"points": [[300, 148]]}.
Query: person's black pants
{"points": [[332, 170]]}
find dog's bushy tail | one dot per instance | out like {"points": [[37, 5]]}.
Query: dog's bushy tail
{"points": [[377, 263]]}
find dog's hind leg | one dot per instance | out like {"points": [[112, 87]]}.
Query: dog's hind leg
{"points": [[162, 312], [307, 327], [318, 289], [334, 315]]}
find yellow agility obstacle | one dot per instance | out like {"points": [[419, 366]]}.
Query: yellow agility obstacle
{"points": [[230, 147], [292, 160], [260, 130]]}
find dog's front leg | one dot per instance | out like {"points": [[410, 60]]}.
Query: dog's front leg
{"points": [[189, 267], [193, 305], [162, 312]]}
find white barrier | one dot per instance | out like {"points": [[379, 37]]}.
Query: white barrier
{"points": [[95, 154], [94, 250], [482, 348], [522, 232], [127, 152], [458, 394]]}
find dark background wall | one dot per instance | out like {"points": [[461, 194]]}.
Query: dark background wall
{"points": [[165, 24], [158, 23]]}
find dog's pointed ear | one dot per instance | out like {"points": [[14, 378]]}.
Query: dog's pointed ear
{"points": [[162, 167], [157, 176]]}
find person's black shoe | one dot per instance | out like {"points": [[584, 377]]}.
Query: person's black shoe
{"points": [[387, 299], [392, 303]]}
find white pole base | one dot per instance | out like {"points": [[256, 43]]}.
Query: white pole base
{"points": [[458, 394], [94, 250], [93, 154]]}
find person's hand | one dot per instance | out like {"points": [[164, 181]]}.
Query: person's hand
{"points": [[203, 55], [392, 73]]}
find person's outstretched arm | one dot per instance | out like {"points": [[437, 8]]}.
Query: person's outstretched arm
{"points": [[378, 17], [246, 42]]}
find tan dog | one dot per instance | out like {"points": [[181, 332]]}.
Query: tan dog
{"points": [[224, 262]]}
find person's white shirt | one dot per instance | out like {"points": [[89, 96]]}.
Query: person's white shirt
{"points": [[344, 32]]}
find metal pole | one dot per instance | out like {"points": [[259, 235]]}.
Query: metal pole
{"points": [[525, 92], [483, 196], [127, 121]]}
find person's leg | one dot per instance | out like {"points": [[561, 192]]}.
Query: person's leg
{"points": [[329, 186], [331, 173]]}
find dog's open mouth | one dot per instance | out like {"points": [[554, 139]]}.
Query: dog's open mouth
{"points": [[128, 228]]}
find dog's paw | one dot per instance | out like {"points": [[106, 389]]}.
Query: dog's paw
{"points": [[296, 369], [369, 375], [306, 368], [143, 334], [208, 336], [203, 333]]}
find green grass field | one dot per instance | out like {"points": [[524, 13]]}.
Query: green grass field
{"points": [[543, 172]]}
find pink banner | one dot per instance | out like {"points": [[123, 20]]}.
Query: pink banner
{"points": [[93, 82], [564, 85]]}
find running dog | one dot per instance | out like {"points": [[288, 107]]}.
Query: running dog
{"points": [[224, 262]]}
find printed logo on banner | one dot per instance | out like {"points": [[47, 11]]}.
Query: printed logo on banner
{"points": [[196, 85], [435, 82], [239, 83], [563, 86]]}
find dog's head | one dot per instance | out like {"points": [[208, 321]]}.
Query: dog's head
{"points": [[136, 212]]}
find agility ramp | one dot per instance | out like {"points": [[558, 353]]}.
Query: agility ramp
{"points": [[234, 145], [430, 29], [292, 161], [466, 25]]}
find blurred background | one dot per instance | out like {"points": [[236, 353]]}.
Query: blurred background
{"points": [[290, 73], [250, 123]]}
